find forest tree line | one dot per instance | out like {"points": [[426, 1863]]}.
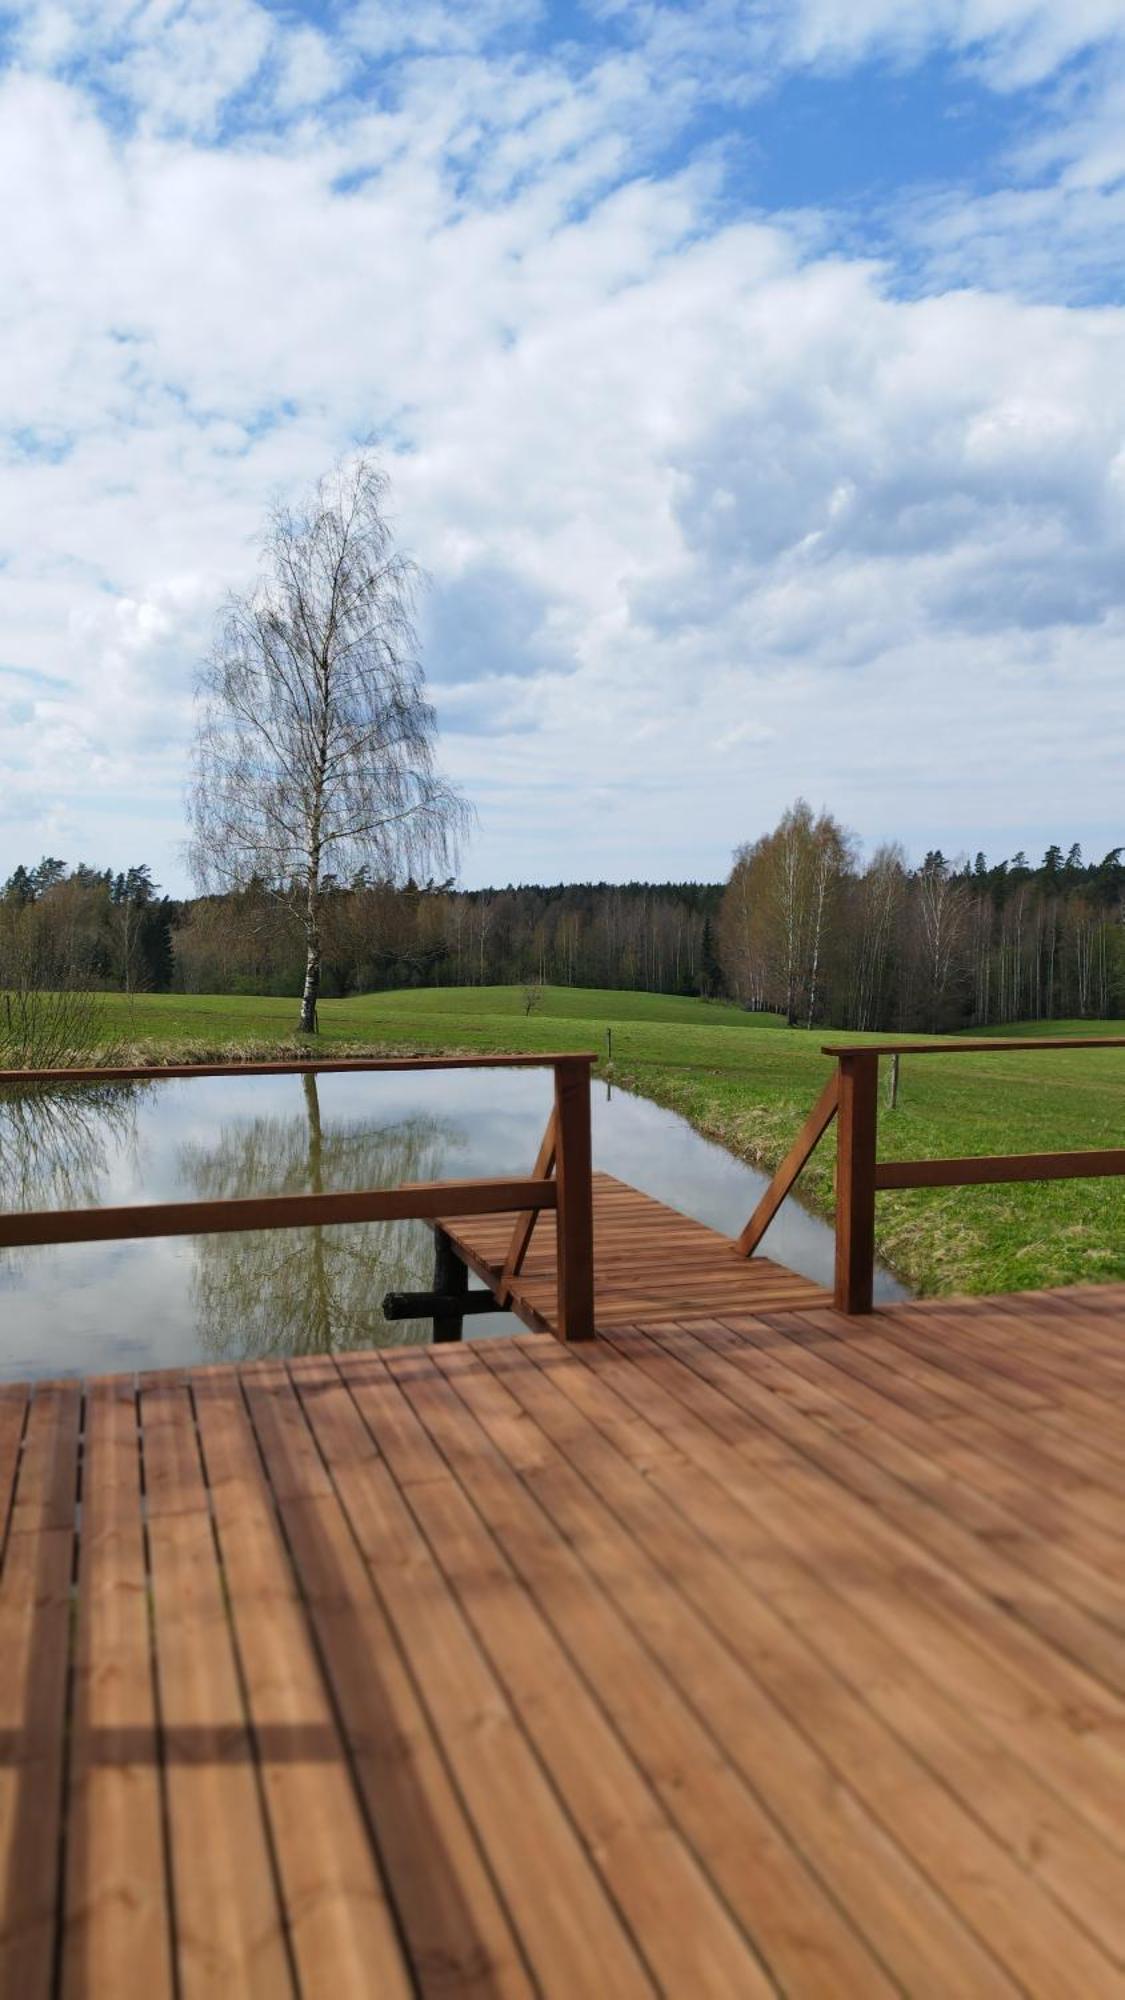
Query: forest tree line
{"points": [[809, 928], [805, 926], [82, 927]]}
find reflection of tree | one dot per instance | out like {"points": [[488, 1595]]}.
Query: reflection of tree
{"points": [[54, 1144], [303, 1291]]}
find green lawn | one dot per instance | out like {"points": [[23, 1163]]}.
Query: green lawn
{"points": [[747, 1081]]}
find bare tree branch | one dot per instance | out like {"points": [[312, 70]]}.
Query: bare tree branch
{"points": [[314, 732]]}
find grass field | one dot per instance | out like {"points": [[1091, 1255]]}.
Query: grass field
{"points": [[747, 1081]]}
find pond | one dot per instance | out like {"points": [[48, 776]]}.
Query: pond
{"points": [[166, 1302]]}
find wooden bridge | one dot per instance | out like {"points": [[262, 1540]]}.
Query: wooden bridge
{"points": [[745, 1647]]}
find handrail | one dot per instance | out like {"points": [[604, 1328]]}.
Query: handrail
{"points": [[569, 1193], [851, 1096], [860, 1176], [984, 1169], [303, 1066], [413, 1200], [973, 1045]]}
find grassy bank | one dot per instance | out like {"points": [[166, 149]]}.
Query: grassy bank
{"points": [[747, 1081]]}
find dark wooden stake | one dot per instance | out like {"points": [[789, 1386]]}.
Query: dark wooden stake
{"points": [[451, 1280], [856, 1130], [439, 1305]]}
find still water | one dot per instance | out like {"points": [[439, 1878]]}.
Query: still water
{"points": [[105, 1306]]}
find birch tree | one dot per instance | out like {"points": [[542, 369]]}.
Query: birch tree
{"points": [[778, 913], [940, 909], [874, 910], [315, 745]]}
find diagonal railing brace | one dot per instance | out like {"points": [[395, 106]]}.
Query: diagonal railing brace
{"points": [[525, 1222], [804, 1145]]}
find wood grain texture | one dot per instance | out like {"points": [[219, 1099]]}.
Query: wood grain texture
{"points": [[274, 1211], [648, 1261], [997, 1045], [574, 1247], [857, 1115], [986, 1169], [117, 1907], [751, 1651], [345, 1066], [796, 1159], [218, 1831], [34, 1650], [525, 1224]]}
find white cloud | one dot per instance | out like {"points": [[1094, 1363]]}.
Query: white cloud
{"points": [[1012, 42], [712, 517]]}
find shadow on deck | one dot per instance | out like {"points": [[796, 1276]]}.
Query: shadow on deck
{"points": [[773, 1651]]}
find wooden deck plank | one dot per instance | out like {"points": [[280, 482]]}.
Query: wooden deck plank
{"points": [[1074, 1326], [117, 1908], [14, 1403], [340, 1922], [1034, 1821], [970, 1645], [34, 1632], [459, 1938], [1077, 1470], [862, 1478], [760, 1717], [530, 1495], [1011, 1514], [556, 1673], [975, 1873], [649, 1261], [738, 1650], [1063, 1336], [963, 1641], [215, 1814], [1012, 1379], [572, 1934]]}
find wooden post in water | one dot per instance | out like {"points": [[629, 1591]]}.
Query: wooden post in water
{"points": [[451, 1280], [575, 1217], [856, 1131]]}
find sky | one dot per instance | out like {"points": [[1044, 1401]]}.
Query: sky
{"points": [[750, 375]]}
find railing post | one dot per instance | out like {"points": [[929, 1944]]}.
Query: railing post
{"points": [[574, 1219], [856, 1128]]}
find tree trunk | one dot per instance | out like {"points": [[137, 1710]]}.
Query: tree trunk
{"points": [[311, 994], [311, 991]]}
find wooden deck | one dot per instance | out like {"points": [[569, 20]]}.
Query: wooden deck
{"points": [[650, 1262], [770, 1653]]}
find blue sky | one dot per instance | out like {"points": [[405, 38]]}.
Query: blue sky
{"points": [[750, 374]]}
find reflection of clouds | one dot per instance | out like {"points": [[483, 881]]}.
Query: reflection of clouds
{"points": [[301, 1291], [55, 1144]]}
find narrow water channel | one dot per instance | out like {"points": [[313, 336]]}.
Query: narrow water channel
{"points": [[92, 1308]]}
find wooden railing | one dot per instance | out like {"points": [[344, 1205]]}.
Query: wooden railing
{"points": [[851, 1097], [559, 1180]]}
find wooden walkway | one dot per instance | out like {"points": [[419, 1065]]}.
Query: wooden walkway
{"points": [[776, 1653], [650, 1262]]}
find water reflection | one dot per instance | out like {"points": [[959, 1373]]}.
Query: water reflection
{"points": [[55, 1145], [163, 1302], [308, 1291]]}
